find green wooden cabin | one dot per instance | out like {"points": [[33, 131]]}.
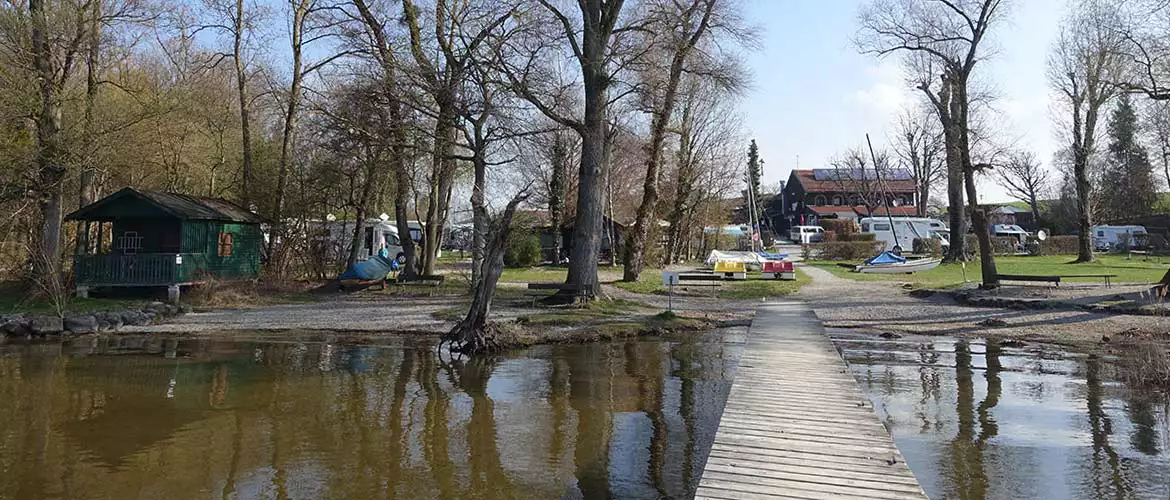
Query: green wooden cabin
{"points": [[149, 238]]}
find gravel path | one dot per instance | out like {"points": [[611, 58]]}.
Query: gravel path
{"points": [[885, 307], [347, 314]]}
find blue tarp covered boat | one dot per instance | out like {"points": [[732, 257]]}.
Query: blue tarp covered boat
{"points": [[374, 268]]}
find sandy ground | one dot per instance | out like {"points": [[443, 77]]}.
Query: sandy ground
{"points": [[885, 307], [351, 314]]}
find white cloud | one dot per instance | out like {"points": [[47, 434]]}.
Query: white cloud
{"points": [[887, 93]]}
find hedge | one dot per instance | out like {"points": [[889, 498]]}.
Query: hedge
{"points": [[857, 237], [1060, 245], [842, 250], [523, 250]]}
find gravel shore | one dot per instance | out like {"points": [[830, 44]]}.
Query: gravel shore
{"points": [[886, 307]]}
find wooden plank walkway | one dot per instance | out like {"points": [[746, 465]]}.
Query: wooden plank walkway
{"points": [[796, 424]]}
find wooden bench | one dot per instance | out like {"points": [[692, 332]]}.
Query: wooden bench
{"points": [[1108, 277], [1055, 279], [1029, 277], [436, 279], [701, 279], [534, 289]]}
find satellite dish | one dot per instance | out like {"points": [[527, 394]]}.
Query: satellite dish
{"points": [[384, 217], [1041, 235], [330, 217]]}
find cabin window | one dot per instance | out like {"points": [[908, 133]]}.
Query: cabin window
{"points": [[1100, 234], [881, 227], [836, 201], [226, 244], [369, 241], [865, 228], [819, 200], [392, 239]]}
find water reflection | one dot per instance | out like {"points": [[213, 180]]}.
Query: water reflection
{"points": [[142, 418], [977, 419]]}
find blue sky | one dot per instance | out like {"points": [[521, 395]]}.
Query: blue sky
{"points": [[816, 95]]}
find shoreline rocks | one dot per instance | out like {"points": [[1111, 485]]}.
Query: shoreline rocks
{"points": [[84, 323]]}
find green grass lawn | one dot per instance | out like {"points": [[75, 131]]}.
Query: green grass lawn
{"points": [[753, 289], [951, 275]]}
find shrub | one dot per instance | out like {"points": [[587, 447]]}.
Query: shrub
{"points": [[1059, 245], [806, 252], [840, 226], [523, 250], [928, 246], [845, 250], [1004, 245], [831, 236]]}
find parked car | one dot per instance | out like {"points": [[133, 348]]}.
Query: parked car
{"points": [[803, 235], [899, 233], [1107, 238]]}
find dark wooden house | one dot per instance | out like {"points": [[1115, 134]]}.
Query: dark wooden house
{"points": [[149, 238]]}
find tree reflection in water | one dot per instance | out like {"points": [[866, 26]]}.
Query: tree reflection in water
{"points": [[141, 418]]}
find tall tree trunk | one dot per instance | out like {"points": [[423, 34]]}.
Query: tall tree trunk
{"points": [[242, 94], [473, 335], [955, 198], [50, 171], [586, 251], [684, 186], [1035, 208], [634, 256], [403, 181], [86, 190], [1084, 213], [355, 243], [442, 180], [479, 216], [300, 11]]}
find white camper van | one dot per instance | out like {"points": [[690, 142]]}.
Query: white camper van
{"points": [[899, 232], [1111, 237], [803, 235]]}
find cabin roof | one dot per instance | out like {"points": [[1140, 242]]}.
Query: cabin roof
{"points": [[830, 181], [130, 202]]}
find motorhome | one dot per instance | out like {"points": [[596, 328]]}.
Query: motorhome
{"points": [[899, 233], [1114, 237], [377, 234], [803, 235]]}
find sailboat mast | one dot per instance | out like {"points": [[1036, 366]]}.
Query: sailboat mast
{"points": [[878, 178]]}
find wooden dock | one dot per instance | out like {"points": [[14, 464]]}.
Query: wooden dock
{"points": [[796, 424]]}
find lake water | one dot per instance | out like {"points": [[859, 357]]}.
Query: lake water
{"points": [[134, 418], [976, 419]]}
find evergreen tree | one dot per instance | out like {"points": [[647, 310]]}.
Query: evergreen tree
{"points": [[754, 172], [1128, 185]]}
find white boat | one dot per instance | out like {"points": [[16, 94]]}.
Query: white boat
{"points": [[889, 263]]}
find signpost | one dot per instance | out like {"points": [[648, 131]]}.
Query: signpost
{"points": [[669, 279]]}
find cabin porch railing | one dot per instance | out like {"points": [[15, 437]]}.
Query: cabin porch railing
{"points": [[148, 269]]}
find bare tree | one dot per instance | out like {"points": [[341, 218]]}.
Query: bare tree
{"points": [[238, 20], [1157, 115], [1085, 64], [592, 51], [946, 36], [858, 178], [382, 50], [459, 29], [919, 148], [684, 25], [304, 30], [1024, 179]]}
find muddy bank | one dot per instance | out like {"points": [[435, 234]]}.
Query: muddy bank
{"points": [[880, 307]]}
